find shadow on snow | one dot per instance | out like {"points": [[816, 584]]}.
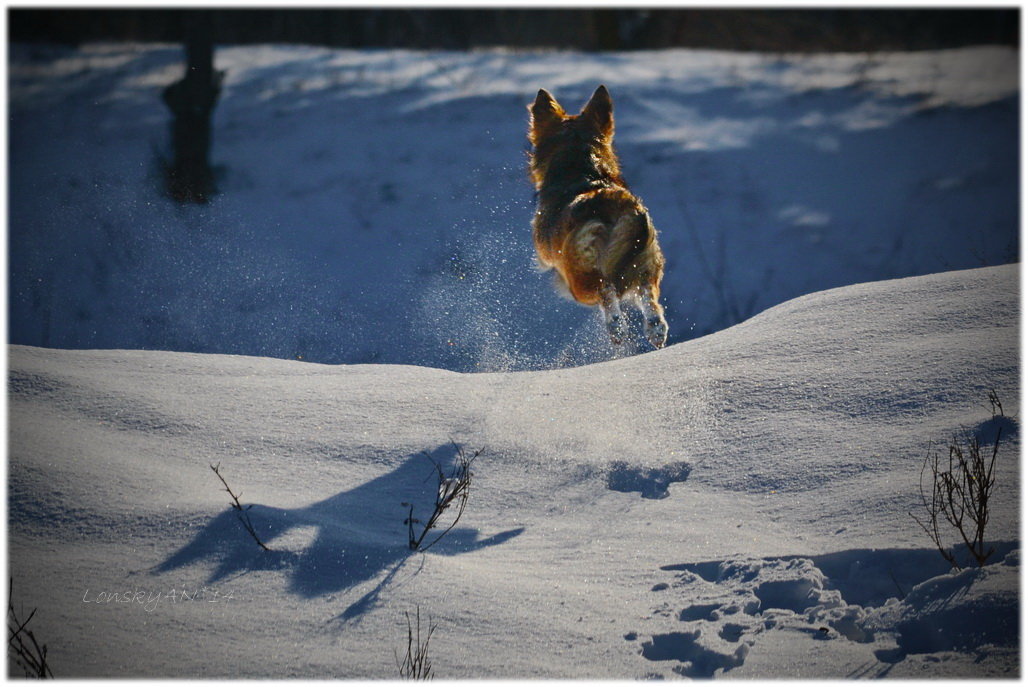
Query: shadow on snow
{"points": [[359, 534]]}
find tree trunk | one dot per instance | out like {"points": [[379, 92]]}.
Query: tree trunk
{"points": [[191, 101]]}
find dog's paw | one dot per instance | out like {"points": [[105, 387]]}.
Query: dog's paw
{"points": [[656, 331], [615, 330]]}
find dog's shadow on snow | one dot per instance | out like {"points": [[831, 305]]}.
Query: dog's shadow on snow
{"points": [[358, 534]]}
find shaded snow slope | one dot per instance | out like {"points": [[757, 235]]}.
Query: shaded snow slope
{"points": [[374, 205], [735, 505]]}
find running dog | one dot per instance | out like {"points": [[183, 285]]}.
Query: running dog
{"points": [[588, 226]]}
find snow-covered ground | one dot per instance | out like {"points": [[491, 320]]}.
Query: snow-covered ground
{"points": [[737, 504], [375, 205], [732, 505]]}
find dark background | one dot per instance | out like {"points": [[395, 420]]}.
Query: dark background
{"points": [[584, 29]]}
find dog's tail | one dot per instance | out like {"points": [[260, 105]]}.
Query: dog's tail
{"points": [[625, 258]]}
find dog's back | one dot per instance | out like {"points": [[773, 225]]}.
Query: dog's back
{"points": [[588, 226]]}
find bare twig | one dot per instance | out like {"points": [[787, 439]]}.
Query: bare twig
{"points": [[899, 588], [960, 494], [30, 655], [933, 507], [994, 402], [453, 490], [416, 665], [243, 513]]}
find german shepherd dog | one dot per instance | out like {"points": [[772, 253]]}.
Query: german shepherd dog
{"points": [[588, 226]]}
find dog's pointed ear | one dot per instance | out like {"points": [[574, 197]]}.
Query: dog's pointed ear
{"points": [[600, 111], [545, 108], [544, 113]]}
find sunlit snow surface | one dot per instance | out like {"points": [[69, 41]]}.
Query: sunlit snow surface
{"points": [[374, 205], [737, 505]]}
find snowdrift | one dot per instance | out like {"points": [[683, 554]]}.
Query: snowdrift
{"points": [[735, 506]]}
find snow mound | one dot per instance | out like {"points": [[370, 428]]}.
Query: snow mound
{"points": [[735, 505], [975, 608]]}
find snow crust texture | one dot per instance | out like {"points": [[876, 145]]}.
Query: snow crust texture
{"points": [[733, 506]]}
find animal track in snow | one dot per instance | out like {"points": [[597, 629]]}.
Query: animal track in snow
{"points": [[699, 612], [651, 483], [695, 660], [792, 595], [731, 632], [850, 595]]}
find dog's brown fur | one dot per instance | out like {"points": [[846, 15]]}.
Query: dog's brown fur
{"points": [[588, 226]]}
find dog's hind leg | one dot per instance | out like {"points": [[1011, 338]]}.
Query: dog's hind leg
{"points": [[611, 306], [653, 313]]}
